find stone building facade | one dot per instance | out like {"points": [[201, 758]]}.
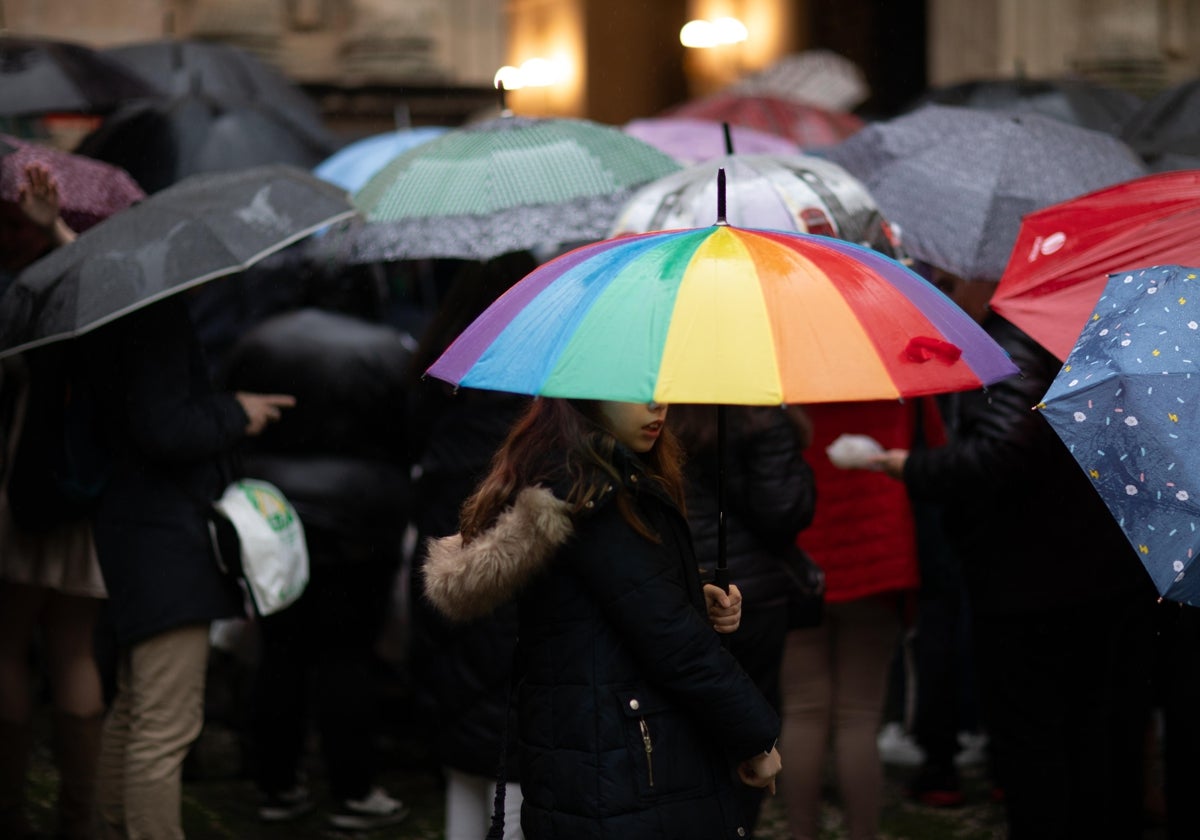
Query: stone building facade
{"points": [[374, 63]]}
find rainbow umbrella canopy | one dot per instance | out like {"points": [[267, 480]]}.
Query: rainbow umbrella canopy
{"points": [[723, 315]]}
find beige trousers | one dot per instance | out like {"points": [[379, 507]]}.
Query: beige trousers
{"points": [[834, 685], [157, 713]]}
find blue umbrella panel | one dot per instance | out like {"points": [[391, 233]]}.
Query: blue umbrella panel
{"points": [[1125, 404]]}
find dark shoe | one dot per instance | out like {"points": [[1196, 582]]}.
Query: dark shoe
{"points": [[286, 805], [937, 787], [375, 810]]}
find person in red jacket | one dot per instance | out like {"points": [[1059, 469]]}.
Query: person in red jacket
{"points": [[834, 675]]}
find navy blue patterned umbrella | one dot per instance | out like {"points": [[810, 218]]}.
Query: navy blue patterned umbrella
{"points": [[1126, 404]]}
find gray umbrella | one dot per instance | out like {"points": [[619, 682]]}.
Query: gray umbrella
{"points": [[957, 181], [204, 227]]}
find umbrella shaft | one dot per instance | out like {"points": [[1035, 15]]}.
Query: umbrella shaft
{"points": [[721, 575]]}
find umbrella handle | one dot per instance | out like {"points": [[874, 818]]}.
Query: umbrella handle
{"points": [[721, 578], [721, 573]]}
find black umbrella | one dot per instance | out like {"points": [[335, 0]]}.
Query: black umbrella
{"points": [[160, 142], [1166, 130], [205, 227], [1075, 101], [39, 75], [223, 73]]}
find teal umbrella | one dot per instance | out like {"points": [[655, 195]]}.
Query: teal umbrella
{"points": [[507, 184], [350, 167]]}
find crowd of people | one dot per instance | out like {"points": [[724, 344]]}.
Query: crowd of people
{"points": [[581, 672]]}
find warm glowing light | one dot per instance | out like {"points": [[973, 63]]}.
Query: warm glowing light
{"points": [[543, 72], [508, 76], [703, 34], [730, 30], [698, 34], [536, 72]]}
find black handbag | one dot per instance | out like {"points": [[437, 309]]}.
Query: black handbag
{"points": [[806, 589]]}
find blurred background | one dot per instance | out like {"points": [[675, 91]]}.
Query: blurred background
{"points": [[372, 65]]}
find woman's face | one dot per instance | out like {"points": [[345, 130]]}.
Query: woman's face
{"points": [[637, 425]]}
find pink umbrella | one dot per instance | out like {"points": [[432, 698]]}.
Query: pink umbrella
{"points": [[690, 140], [89, 190], [806, 125]]}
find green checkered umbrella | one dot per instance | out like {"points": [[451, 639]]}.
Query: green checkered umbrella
{"points": [[507, 184]]}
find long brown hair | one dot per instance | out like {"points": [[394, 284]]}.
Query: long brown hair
{"points": [[557, 440]]}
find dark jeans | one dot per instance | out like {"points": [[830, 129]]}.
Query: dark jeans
{"points": [[946, 703], [1066, 696], [321, 649], [1177, 672]]}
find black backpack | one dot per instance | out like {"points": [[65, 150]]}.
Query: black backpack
{"points": [[61, 463]]}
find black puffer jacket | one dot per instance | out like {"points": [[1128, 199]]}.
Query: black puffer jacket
{"points": [[1032, 532], [769, 495], [341, 454], [461, 670], [616, 650]]}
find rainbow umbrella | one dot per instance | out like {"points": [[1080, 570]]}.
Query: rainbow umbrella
{"points": [[723, 315]]}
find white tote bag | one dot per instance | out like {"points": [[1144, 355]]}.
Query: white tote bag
{"points": [[274, 554]]}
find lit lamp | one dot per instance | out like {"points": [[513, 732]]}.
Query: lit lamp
{"points": [[534, 73], [718, 32]]}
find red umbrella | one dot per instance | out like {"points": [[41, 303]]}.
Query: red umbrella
{"points": [[88, 190], [805, 125], [1065, 252]]}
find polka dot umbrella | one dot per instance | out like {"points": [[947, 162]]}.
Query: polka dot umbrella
{"points": [[1125, 404]]}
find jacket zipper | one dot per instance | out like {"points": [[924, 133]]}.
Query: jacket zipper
{"points": [[649, 747]]}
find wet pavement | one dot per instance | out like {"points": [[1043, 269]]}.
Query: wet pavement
{"points": [[220, 800]]}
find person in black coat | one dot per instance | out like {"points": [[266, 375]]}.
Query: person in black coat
{"points": [[169, 434], [633, 719], [341, 456], [1059, 602], [770, 496], [462, 670]]}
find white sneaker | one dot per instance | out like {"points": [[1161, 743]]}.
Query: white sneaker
{"points": [[974, 749], [898, 747], [374, 810]]}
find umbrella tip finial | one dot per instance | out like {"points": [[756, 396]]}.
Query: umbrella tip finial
{"points": [[728, 138], [721, 196]]}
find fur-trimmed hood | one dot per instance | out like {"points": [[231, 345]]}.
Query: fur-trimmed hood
{"points": [[468, 582]]}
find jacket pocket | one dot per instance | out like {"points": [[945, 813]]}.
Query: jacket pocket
{"points": [[666, 753]]}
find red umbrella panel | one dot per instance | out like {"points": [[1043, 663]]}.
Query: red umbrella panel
{"points": [[1064, 253]]}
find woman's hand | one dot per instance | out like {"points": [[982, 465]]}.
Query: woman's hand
{"points": [[760, 771], [724, 608], [39, 201]]}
